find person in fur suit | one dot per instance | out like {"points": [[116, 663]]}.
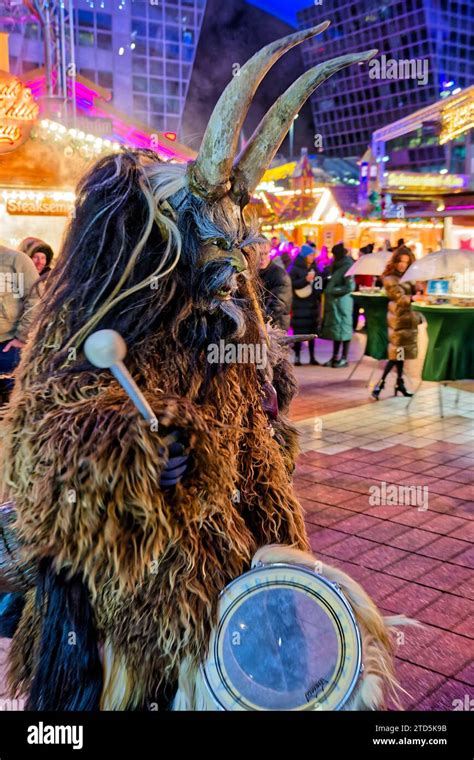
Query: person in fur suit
{"points": [[131, 554]]}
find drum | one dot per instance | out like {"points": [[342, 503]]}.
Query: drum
{"points": [[286, 639]]}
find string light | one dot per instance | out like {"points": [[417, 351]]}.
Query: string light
{"points": [[88, 145]]}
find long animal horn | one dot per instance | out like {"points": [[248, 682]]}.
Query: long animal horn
{"points": [[209, 175], [256, 156]]}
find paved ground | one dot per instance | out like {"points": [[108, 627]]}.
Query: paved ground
{"points": [[415, 556]]}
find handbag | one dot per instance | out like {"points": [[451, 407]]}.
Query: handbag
{"points": [[304, 292]]}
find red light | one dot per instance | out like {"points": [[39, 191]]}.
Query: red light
{"points": [[170, 136]]}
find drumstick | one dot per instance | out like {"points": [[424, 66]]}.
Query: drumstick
{"points": [[107, 349], [286, 339]]}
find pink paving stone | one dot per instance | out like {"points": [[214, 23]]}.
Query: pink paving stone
{"points": [[462, 462], [465, 628], [327, 495], [465, 492], [446, 548], [384, 531], [445, 524], [439, 458], [412, 598], [466, 675], [447, 611], [412, 539], [416, 681], [416, 466], [324, 537], [382, 587], [447, 654], [312, 474], [463, 476], [444, 471], [387, 512], [325, 517], [355, 484], [351, 547], [382, 556], [415, 517], [447, 696], [466, 558], [355, 524], [447, 577], [413, 567], [445, 487], [465, 532], [416, 638]]}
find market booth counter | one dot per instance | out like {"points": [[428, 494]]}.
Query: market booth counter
{"points": [[450, 354]]}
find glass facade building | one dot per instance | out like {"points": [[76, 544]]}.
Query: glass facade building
{"points": [[436, 34], [143, 51]]}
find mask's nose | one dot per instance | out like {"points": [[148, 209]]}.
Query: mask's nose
{"points": [[238, 260]]}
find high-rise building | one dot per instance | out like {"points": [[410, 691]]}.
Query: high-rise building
{"points": [[141, 50], [431, 43]]}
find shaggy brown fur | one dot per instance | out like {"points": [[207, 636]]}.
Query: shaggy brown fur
{"points": [[84, 471]]}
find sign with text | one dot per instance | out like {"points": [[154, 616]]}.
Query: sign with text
{"points": [[18, 112]]}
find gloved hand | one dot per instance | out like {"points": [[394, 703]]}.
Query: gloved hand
{"points": [[178, 460]]}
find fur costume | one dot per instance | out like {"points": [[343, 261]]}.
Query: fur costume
{"points": [[129, 572]]}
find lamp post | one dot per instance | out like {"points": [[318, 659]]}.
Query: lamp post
{"points": [[292, 136]]}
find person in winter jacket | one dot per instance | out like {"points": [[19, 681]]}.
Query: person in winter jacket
{"points": [[18, 298], [277, 295], [307, 287], [402, 322], [337, 322]]}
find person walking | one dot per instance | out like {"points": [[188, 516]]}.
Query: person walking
{"points": [[402, 322], [337, 321], [277, 292], [18, 298], [306, 284]]}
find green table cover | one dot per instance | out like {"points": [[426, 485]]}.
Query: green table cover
{"points": [[450, 353], [375, 309]]}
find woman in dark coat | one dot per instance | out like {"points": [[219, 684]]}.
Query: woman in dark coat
{"points": [[402, 322], [337, 321], [306, 284]]}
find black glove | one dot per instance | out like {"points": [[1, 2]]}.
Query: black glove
{"points": [[178, 459]]}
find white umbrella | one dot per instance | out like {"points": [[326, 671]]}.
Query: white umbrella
{"points": [[444, 263], [370, 263]]}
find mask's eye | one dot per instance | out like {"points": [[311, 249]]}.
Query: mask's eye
{"points": [[222, 244]]}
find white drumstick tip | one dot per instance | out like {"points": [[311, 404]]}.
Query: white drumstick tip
{"points": [[105, 348]]}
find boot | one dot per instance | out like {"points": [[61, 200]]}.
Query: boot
{"points": [[377, 389], [400, 386]]}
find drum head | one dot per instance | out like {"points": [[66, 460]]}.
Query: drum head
{"points": [[286, 640]]}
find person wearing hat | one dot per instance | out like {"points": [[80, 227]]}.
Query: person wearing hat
{"points": [[337, 321]]}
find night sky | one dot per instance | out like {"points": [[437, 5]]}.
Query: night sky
{"points": [[284, 9]]}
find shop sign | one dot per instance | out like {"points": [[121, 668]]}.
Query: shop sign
{"points": [[18, 112], [39, 207]]}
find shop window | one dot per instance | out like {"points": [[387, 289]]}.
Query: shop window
{"points": [[156, 68], [171, 33], [85, 18], [105, 79], [139, 28], [156, 86], [155, 31], [104, 21], [188, 37], [156, 104], [140, 47], [172, 105], [172, 70], [156, 49], [104, 41], [188, 53], [86, 39], [138, 65], [172, 88], [140, 102], [172, 51], [139, 8], [139, 84]]}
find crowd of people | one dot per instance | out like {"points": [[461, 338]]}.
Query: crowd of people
{"points": [[22, 274], [311, 293], [305, 292]]}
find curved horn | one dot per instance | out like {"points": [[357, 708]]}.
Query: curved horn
{"points": [[209, 175], [270, 133]]}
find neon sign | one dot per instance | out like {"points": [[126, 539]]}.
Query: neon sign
{"points": [[18, 112]]}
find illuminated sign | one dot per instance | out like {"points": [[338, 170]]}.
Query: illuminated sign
{"points": [[412, 180], [457, 118], [18, 112], [39, 204]]}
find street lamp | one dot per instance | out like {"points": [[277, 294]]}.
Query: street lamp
{"points": [[292, 135]]}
